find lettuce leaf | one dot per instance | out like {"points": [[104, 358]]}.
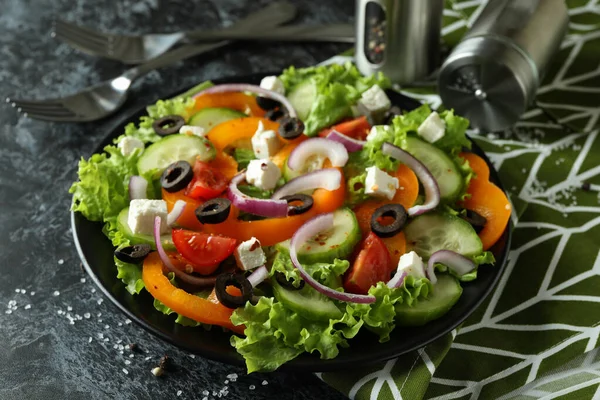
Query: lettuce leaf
{"points": [[243, 157], [130, 275], [337, 88], [326, 273]]}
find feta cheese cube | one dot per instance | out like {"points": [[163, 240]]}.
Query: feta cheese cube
{"points": [[376, 131], [379, 183], [273, 84], [128, 144], [263, 174], [192, 130], [412, 264], [249, 255], [265, 143], [374, 103], [433, 128], [142, 213]]}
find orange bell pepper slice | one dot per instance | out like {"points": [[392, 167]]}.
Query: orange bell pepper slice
{"points": [[236, 131], [357, 128], [487, 200], [182, 302], [235, 100]]}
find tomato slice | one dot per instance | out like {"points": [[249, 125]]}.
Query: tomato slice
{"points": [[207, 183], [373, 264], [357, 128], [203, 251]]}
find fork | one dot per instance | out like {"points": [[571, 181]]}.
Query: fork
{"points": [[103, 99], [138, 49]]}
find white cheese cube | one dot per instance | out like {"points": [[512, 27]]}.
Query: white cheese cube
{"points": [[249, 255], [433, 128], [265, 144], [273, 84], [128, 144], [374, 101], [377, 131], [263, 174], [412, 264], [142, 213], [192, 130], [379, 183]]}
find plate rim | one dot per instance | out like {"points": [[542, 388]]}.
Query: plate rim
{"points": [[305, 364]]}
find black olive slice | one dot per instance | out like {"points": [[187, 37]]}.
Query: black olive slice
{"points": [[288, 284], [168, 125], [133, 254], [176, 176], [237, 280], [395, 211], [290, 128], [213, 211], [477, 221], [275, 114], [267, 103], [306, 200]]}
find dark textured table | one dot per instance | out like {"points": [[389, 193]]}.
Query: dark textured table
{"points": [[60, 338]]}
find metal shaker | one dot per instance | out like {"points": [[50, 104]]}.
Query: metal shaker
{"points": [[493, 74], [400, 38]]}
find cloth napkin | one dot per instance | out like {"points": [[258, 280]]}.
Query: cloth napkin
{"points": [[536, 335]]}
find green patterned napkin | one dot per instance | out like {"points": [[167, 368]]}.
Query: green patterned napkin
{"points": [[537, 335]]}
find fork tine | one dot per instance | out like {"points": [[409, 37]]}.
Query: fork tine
{"points": [[73, 29], [81, 43], [41, 107], [51, 118], [34, 103], [55, 112]]}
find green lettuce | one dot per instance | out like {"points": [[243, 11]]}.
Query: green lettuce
{"points": [[243, 157], [130, 275], [326, 273], [337, 88], [276, 334]]}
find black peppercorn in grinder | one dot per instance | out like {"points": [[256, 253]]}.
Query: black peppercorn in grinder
{"points": [[400, 38]]}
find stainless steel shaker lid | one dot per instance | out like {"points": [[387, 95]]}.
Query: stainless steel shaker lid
{"points": [[489, 81]]}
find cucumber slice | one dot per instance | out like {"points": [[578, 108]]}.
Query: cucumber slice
{"points": [[431, 232], [307, 302], [136, 238], [303, 97], [443, 169], [338, 242], [207, 118], [446, 293], [175, 148], [313, 163]]}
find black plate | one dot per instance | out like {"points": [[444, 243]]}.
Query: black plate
{"points": [[96, 253]]}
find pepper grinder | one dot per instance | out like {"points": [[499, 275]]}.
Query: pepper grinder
{"points": [[493, 74], [400, 38]]}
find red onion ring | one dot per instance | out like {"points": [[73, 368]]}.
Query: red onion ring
{"points": [[336, 152], [328, 179], [264, 207], [349, 143], [244, 87], [456, 262], [258, 275], [187, 278], [138, 187], [432, 190], [397, 280], [176, 212], [311, 228]]}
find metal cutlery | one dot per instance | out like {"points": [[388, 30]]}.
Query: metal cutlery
{"points": [[100, 100]]}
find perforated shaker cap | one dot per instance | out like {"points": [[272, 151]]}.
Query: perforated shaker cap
{"points": [[489, 81]]}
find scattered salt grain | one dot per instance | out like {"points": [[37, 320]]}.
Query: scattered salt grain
{"points": [[99, 315], [90, 339], [205, 398], [87, 315], [179, 393], [32, 293], [147, 358], [23, 291], [28, 306], [101, 335], [8, 311], [60, 312], [127, 321], [82, 280], [106, 326], [192, 356], [106, 339], [17, 290], [127, 362], [61, 261], [69, 308], [93, 290], [205, 393], [264, 383], [226, 381], [56, 293], [120, 324], [99, 301], [125, 371], [131, 356], [251, 387]]}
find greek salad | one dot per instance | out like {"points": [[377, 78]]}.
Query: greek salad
{"points": [[295, 213]]}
